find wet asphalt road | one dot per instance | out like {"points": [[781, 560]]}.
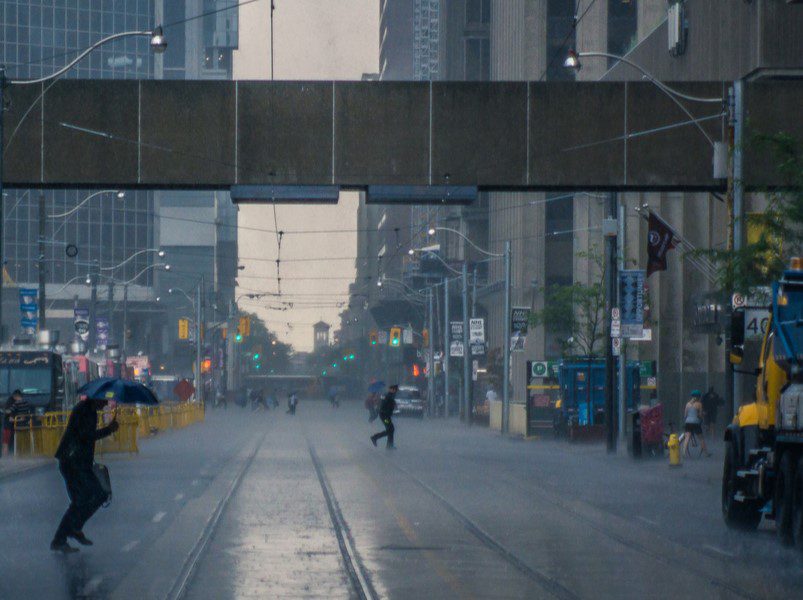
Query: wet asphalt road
{"points": [[265, 505]]}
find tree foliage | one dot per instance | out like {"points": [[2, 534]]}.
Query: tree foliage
{"points": [[274, 354], [772, 236], [576, 310]]}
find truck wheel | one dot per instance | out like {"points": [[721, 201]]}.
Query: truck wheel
{"points": [[797, 503], [783, 499], [738, 515]]}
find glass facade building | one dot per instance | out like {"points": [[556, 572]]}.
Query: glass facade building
{"points": [[39, 37]]}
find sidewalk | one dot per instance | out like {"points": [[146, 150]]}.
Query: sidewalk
{"points": [[13, 466]]}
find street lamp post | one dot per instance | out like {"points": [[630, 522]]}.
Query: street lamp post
{"points": [[446, 348], [466, 351], [158, 44]]}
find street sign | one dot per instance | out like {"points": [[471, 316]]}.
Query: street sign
{"points": [[519, 319], [652, 381], [616, 345], [407, 336], [456, 328], [737, 300], [81, 323], [756, 321], [456, 349], [476, 330], [184, 390], [539, 368], [616, 314], [616, 328], [631, 302], [477, 349]]}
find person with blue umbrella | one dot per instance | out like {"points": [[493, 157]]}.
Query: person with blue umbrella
{"points": [[76, 456]]}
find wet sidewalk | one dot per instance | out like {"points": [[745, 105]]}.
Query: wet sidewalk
{"points": [[10, 466]]}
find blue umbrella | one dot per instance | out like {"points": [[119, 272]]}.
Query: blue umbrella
{"points": [[376, 387], [121, 391]]}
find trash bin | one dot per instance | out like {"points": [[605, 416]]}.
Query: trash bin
{"points": [[634, 433]]}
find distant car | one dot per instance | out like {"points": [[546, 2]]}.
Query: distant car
{"points": [[409, 401]]}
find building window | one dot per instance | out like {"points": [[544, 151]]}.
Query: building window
{"points": [[622, 27], [478, 12], [478, 59]]}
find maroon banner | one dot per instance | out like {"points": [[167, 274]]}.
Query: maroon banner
{"points": [[660, 240]]}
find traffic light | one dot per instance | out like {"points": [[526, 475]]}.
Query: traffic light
{"points": [[416, 370], [244, 326], [183, 329], [238, 337], [395, 336], [425, 338], [351, 357], [256, 355], [373, 337]]}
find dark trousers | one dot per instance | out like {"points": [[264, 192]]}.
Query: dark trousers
{"points": [[86, 497], [389, 429]]}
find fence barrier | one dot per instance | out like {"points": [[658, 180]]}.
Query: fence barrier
{"points": [[39, 435]]}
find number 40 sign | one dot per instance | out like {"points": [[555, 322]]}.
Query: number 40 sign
{"points": [[755, 323]]}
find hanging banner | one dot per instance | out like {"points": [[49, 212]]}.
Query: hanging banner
{"points": [[631, 300], [81, 323], [101, 332], [29, 310], [660, 240]]}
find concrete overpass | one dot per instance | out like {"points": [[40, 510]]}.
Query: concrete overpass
{"points": [[498, 136]]}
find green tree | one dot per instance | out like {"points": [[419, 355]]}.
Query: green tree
{"points": [[274, 355], [576, 310], [774, 235]]}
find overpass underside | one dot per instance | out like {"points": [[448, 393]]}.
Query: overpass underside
{"points": [[495, 136]]}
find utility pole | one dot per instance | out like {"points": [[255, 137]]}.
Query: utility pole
{"points": [[198, 379], [738, 209], [2, 200], [110, 297], [231, 376], [41, 261], [125, 319], [466, 351], [431, 351], [621, 243], [611, 287], [474, 293], [506, 343], [446, 329], [93, 308]]}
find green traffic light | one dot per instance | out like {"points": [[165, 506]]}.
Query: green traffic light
{"points": [[323, 372], [345, 358], [334, 364], [351, 357], [256, 356], [239, 338], [258, 366]]}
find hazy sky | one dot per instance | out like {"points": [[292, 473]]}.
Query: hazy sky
{"points": [[314, 39]]}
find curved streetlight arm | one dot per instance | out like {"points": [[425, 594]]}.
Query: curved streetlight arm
{"points": [[649, 76], [472, 244], [186, 295], [80, 57], [443, 262], [401, 283], [84, 201], [148, 268], [668, 91], [130, 258]]}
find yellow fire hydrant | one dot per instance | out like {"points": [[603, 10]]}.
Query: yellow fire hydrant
{"points": [[674, 450]]}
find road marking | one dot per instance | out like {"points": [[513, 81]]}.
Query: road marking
{"points": [[159, 516], [194, 482], [92, 585], [129, 546], [646, 520], [179, 497], [719, 551]]}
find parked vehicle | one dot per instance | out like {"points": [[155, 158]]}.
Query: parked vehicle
{"points": [[763, 464], [40, 375], [409, 401]]}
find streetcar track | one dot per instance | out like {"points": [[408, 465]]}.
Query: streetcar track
{"points": [[633, 545], [547, 582], [187, 573], [360, 583]]}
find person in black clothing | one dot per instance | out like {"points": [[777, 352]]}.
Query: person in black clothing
{"points": [[76, 456], [16, 405], [386, 414]]}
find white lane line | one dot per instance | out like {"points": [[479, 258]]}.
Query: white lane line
{"points": [[129, 546], [719, 551], [159, 516], [179, 497], [646, 520], [92, 585]]}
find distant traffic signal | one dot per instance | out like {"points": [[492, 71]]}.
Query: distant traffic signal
{"points": [[425, 338], [395, 336], [373, 337], [256, 355], [244, 327]]}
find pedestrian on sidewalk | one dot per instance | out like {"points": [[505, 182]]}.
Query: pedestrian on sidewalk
{"points": [[16, 406], [386, 414], [711, 402], [292, 402], [76, 456]]}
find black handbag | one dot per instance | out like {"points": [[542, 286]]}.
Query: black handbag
{"points": [[105, 480]]}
